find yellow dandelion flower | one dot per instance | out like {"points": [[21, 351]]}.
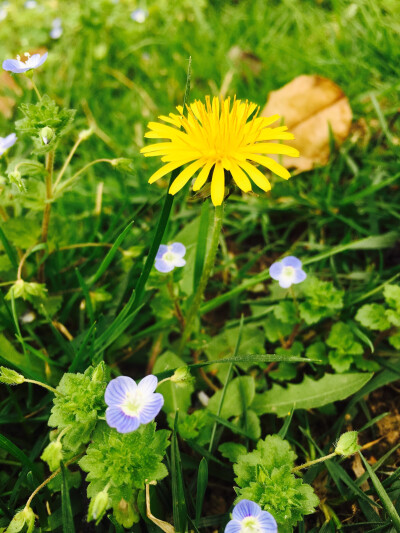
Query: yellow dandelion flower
{"points": [[216, 137]]}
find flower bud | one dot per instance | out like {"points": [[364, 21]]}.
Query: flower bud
{"points": [[10, 377], [46, 134], [347, 444], [182, 376], [24, 517], [25, 290], [52, 455], [99, 373], [16, 178], [85, 134], [98, 506]]}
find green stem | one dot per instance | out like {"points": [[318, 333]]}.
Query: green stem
{"points": [[77, 174], [208, 266], [36, 90], [51, 389], [49, 195], [314, 462], [67, 161]]}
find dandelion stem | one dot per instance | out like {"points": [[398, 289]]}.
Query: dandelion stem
{"points": [[208, 266], [315, 461], [51, 389]]}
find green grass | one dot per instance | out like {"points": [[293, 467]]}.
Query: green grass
{"points": [[120, 75]]}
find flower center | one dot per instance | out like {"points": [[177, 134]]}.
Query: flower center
{"points": [[288, 272], [133, 403], [169, 257], [250, 524]]}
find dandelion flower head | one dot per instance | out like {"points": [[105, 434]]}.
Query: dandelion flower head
{"points": [[215, 137]]}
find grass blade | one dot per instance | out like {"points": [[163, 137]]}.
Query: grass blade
{"points": [[202, 480], [66, 510], [178, 491], [386, 501]]}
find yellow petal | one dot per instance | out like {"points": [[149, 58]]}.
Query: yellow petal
{"points": [[166, 169], [241, 180], [218, 184], [258, 177], [202, 177], [271, 164], [172, 119], [272, 148], [181, 180], [271, 135]]}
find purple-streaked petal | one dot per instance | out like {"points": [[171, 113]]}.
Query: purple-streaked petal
{"points": [[233, 526], [152, 408], [179, 262], [123, 423], [32, 62], [163, 266], [267, 522], [178, 249], [245, 508], [275, 270], [148, 384], [163, 249], [117, 390], [14, 65], [291, 261], [299, 276]]}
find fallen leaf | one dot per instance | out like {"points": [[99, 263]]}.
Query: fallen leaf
{"points": [[310, 105], [7, 102]]}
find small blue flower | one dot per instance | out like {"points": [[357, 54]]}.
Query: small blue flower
{"points": [[169, 257], [130, 405], [56, 29], [247, 517], [17, 66], [139, 15], [287, 271], [30, 4], [7, 142]]}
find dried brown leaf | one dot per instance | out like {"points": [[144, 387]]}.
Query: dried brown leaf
{"points": [[310, 105]]}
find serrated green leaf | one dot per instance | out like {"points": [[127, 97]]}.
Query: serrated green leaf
{"points": [[309, 393], [373, 316]]}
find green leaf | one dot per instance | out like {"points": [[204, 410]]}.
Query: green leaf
{"points": [[201, 245], [265, 477], [285, 311], [317, 351], [67, 515], [202, 481], [322, 300], [239, 395], [232, 450], [176, 396], [392, 296], [106, 460], [309, 393], [373, 316]]}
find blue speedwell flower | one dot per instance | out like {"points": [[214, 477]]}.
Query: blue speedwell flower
{"points": [[7, 142], [169, 257], [56, 28], [287, 271], [247, 517], [130, 405], [17, 66], [139, 15]]}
